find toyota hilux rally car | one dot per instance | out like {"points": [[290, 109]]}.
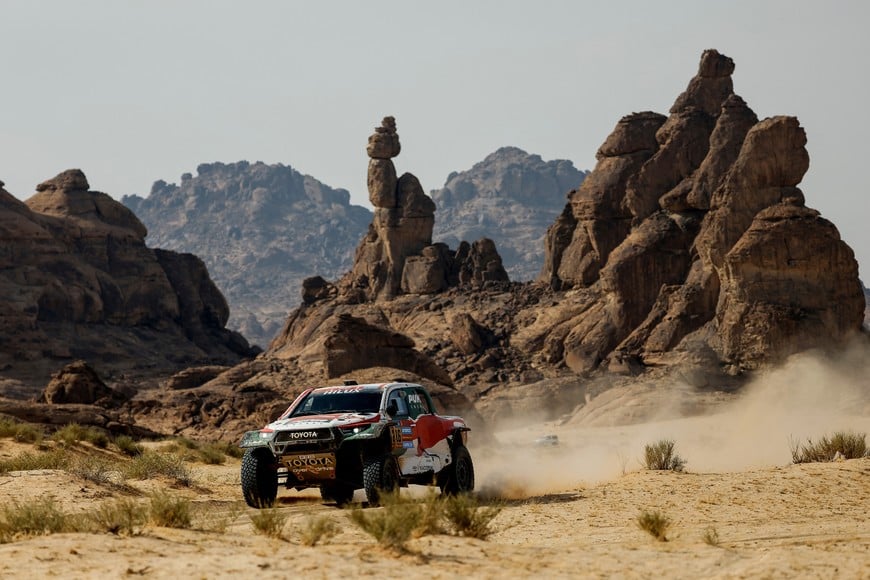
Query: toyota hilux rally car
{"points": [[376, 437]]}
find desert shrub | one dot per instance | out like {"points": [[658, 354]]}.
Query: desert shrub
{"points": [[467, 517], [269, 522], [170, 511], [710, 536], [121, 517], [654, 523], [152, 464], [218, 521], [661, 456], [230, 449], [187, 443], [94, 469], [28, 461], [393, 524], [20, 432], [317, 528], [128, 446], [847, 443], [431, 516], [35, 518], [212, 455], [72, 433]]}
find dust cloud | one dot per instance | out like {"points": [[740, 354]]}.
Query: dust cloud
{"points": [[809, 396]]}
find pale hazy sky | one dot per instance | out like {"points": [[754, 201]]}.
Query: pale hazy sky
{"points": [[135, 91]]}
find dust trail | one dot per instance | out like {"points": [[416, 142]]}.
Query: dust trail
{"points": [[809, 396]]}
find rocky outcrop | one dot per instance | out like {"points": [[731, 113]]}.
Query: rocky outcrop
{"points": [[691, 236], [78, 383], [236, 218], [80, 283], [397, 255], [510, 197]]}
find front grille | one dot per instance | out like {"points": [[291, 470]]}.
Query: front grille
{"points": [[313, 441]]}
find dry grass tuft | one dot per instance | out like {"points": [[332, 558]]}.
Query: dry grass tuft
{"points": [[710, 536], [36, 518], [654, 523], [170, 511], [317, 528], [124, 517], [72, 433], [152, 464], [29, 461], [467, 517], [269, 522], [21, 432], [393, 524], [661, 456], [847, 444], [128, 446]]}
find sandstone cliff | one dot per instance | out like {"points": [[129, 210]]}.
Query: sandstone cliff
{"points": [[79, 283], [510, 197], [260, 229], [691, 234]]}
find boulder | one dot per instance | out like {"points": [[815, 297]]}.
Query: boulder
{"points": [[78, 383]]}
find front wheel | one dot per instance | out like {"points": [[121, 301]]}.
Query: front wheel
{"points": [[380, 476], [459, 476], [259, 477]]}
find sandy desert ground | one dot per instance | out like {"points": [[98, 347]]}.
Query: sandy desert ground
{"points": [[569, 510]]}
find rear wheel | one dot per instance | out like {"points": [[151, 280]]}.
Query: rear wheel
{"points": [[380, 476], [259, 477], [340, 493], [460, 474]]}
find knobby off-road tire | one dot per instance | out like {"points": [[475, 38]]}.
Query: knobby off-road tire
{"points": [[459, 477], [259, 477], [340, 493], [380, 476]]}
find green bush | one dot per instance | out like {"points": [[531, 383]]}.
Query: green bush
{"points": [[848, 444], [655, 523], [72, 433], [661, 456]]}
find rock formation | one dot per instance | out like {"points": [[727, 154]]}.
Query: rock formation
{"points": [[237, 216], [78, 383], [79, 282], [510, 197], [397, 255], [690, 224]]}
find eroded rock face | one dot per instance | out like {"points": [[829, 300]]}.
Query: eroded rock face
{"points": [[692, 232], [80, 283], [397, 255], [260, 229], [510, 197], [78, 383]]}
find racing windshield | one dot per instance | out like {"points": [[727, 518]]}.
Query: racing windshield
{"points": [[339, 402]]}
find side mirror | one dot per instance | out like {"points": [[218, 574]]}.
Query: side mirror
{"points": [[392, 409]]}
